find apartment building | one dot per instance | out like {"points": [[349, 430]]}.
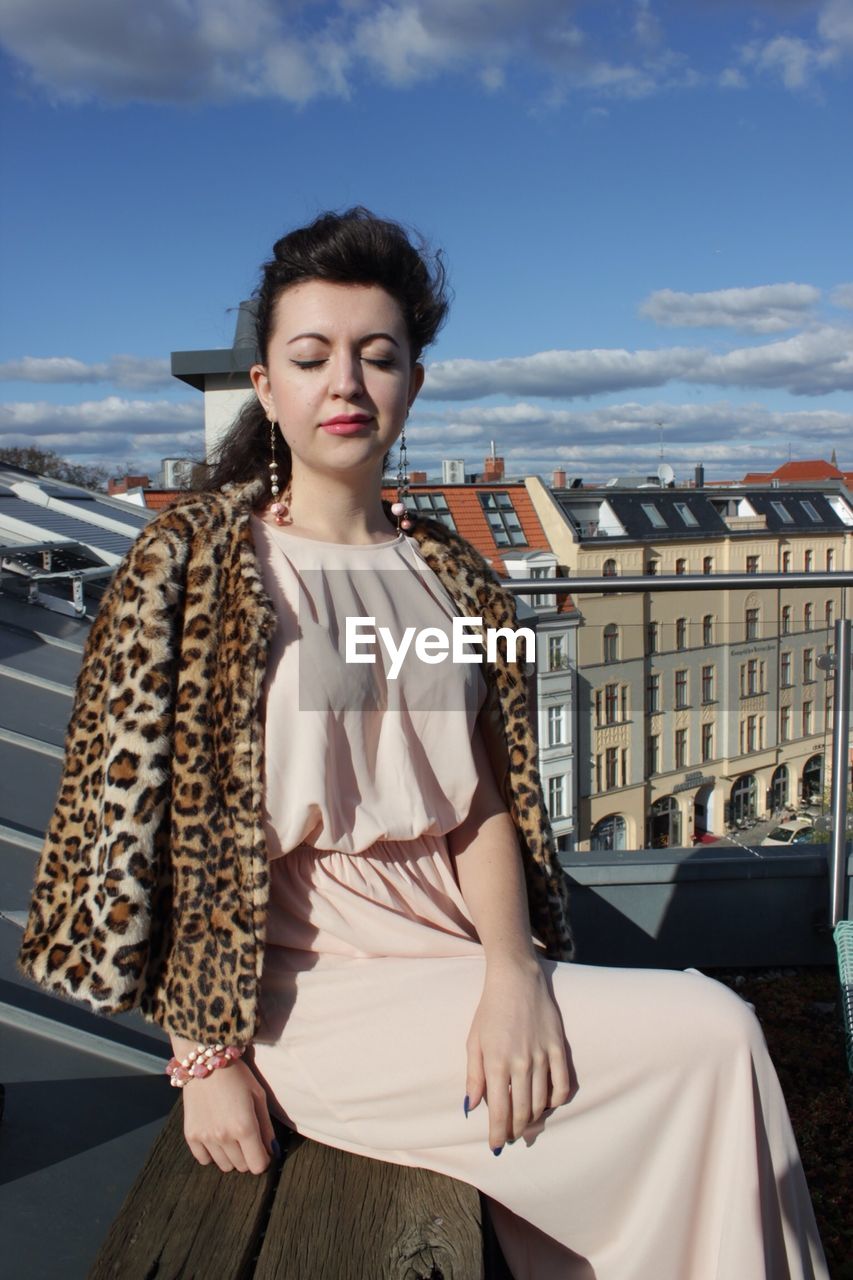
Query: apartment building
{"points": [[696, 709]]}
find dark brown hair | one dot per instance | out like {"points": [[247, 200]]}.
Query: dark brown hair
{"points": [[354, 247]]}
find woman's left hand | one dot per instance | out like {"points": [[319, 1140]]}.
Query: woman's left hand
{"points": [[516, 1050]]}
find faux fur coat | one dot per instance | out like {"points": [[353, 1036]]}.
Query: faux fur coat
{"points": [[152, 885]]}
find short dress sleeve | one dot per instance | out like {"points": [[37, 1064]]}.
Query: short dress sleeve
{"points": [[365, 739]]}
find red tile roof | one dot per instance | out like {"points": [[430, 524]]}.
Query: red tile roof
{"points": [[795, 472]]}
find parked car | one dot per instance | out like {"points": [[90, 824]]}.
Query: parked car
{"points": [[796, 831]]}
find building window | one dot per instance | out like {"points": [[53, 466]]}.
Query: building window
{"points": [[808, 616], [830, 560], [611, 767], [786, 562], [435, 505], [681, 633], [752, 733], [707, 742], [808, 666], [785, 620], [680, 748], [653, 693], [752, 564], [623, 763], [556, 726], [808, 561], [653, 754], [708, 629], [623, 703], [681, 689], [653, 515], [782, 512], [611, 703], [707, 684], [708, 564], [611, 642], [785, 724], [609, 834], [652, 638], [557, 660], [557, 796], [810, 510], [681, 567], [611, 569], [829, 613], [807, 719], [686, 515], [785, 670], [752, 624], [652, 568], [502, 519]]}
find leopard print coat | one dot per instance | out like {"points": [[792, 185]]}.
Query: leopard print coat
{"points": [[152, 885]]}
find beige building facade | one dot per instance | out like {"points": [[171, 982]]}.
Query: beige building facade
{"points": [[698, 710]]}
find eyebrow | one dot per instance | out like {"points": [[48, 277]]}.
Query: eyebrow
{"points": [[321, 337]]}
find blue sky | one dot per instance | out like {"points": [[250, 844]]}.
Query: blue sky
{"points": [[645, 207]]}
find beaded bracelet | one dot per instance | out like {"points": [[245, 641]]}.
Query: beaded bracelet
{"points": [[201, 1062]]}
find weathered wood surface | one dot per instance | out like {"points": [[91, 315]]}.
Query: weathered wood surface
{"points": [[183, 1219], [325, 1215], [342, 1216]]}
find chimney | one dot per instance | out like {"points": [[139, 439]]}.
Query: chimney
{"points": [[417, 477], [493, 466], [558, 479], [699, 482]]}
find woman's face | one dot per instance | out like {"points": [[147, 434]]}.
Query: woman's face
{"points": [[339, 377]]}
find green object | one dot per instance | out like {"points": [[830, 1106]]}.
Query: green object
{"points": [[843, 934]]}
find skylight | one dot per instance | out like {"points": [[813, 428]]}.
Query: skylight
{"points": [[654, 515], [782, 512], [686, 514], [810, 510]]}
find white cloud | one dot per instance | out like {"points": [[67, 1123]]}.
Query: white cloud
{"points": [[799, 61], [559, 373], [810, 364], [814, 363], [113, 416], [133, 372], [842, 295], [732, 78], [766, 308], [599, 442], [181, 51]]}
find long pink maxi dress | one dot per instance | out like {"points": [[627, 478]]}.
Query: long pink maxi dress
{"points": [[674, 1158]]}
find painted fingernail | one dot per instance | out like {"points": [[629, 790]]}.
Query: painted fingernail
{"points": [[496, 1151], [275, 1148], [465, 1105]]}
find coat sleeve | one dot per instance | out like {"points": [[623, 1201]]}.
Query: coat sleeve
{"points": [[100, 873]]}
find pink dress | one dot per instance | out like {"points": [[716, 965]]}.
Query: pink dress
{"points": [[667, 1163]]}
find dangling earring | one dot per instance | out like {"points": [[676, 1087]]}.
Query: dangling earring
{"points": [[398, 508], [278, 508]]}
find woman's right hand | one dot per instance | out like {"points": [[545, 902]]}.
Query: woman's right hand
{"points": [[227, 1121]]}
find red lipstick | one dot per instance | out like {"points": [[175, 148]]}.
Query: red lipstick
{"points": [[345, 424]]}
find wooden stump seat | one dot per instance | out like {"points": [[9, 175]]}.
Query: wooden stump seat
{"points": [[322, 1214]]}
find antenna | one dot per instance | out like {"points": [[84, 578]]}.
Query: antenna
{"points": [[660, 440]]}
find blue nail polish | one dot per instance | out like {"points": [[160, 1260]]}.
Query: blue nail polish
{"points": [[275, 1148], [496, 1151], [465, 1105]]}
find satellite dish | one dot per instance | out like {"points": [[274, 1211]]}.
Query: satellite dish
{"points": [[666, 475]]}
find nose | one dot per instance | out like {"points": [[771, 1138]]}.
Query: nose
{"points": [[347, 380]]}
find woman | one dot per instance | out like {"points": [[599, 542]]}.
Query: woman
{"points": [[331, 875]]}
